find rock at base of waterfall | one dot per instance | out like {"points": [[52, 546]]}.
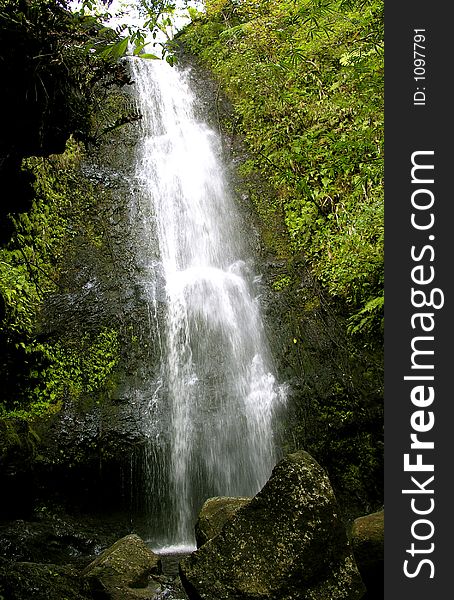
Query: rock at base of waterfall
{"points": [[368, 546], [214, 514], [39, 581], [124, 571], [287, 543]]}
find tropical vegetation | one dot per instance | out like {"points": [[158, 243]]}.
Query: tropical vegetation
{"points": [[306, 80]]}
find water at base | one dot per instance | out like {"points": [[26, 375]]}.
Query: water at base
{"points": [[213, 398], [171, 587]]}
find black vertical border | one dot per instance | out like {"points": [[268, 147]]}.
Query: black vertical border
{"points": [[410, 128]]}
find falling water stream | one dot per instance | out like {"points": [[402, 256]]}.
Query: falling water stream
{"points": [[214, 396]]}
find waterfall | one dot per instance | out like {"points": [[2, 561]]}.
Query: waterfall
{"points": [[214, 397]]}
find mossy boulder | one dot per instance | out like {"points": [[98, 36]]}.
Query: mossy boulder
{"points": [[124, 571], [368, 546], [287, 543], [214, 514]]}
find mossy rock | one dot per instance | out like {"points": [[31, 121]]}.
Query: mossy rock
{"points": [[124, 571], [368, 546], [287, 543], [214, 514]]}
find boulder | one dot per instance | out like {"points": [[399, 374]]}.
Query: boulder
{"points": [[287, 543], [214, 514], [368, 546], [124, 571]]}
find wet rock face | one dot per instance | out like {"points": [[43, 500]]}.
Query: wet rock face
{"points": [[17, 452], [287, 543], [123, 571]]}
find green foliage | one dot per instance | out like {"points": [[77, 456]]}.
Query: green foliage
{"points": [[367, 319], [281, 283], [42, 372], [306, 79], [154, 21], [53, 65], [72, 368]]}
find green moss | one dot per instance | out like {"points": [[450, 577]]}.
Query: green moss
{"points": [[75, 367]]}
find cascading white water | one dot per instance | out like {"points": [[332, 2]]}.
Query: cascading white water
{"points": [[213, 403]]}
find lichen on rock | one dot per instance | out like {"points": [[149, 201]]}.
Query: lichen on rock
{"points": [[214, 514], [123, 571], [288, 542]]}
